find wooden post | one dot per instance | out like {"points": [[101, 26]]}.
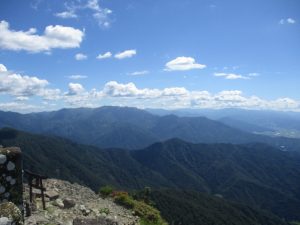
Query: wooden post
{"points": [[36, 181]]}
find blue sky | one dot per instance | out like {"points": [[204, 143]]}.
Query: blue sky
{"points": [[149, 54]]}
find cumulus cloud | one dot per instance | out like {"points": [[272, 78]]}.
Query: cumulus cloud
{"points": [[16, 84], [125, 54], [115, 89], [174, 91], [284, 103], [77, 77], [80, 56], [24, 86], [75, 89], [139, 73], [179, 97], [2, 68], [287, 21], [50, 94], [232, 76], [53, 37], [106, 55], [229, 96], [183, 63]]}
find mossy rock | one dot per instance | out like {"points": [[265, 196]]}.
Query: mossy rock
{"points": [[11, 211]]}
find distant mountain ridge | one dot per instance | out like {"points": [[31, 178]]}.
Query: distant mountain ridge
{"points": [[276, 123], [253, 174], [132, 128]]}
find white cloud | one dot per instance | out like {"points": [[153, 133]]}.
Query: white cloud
{"points": [[284, 103], [290, 20], [22, 98], [2, 68], [174, 91], [179, 97], [231, 76], [93, 4], [125, 54], [229, 96], [54, 37], [115, 89], [139, 73], [183, 63], [16, 84], [24, 86], [106, 55], [77, 77], [75, 89], [50, 94], [23, 89], [66, 14], [100, 14], [287, 21], [80, 56]]}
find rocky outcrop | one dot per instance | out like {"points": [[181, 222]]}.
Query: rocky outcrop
{"points": [[11, 188], [74, 204], [10, 214]]}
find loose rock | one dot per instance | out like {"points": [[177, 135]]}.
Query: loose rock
{"points": [[52, 195], [58, 202], [69, 203]]}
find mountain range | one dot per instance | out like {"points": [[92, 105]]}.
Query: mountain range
{"points": [[257, 175], [132, 128], [229, 158], [273, 123]]}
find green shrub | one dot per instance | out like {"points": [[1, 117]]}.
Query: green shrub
{"points": [[148, 214], [106, 190], [124, 199], [146, 211], [104, 210]]}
